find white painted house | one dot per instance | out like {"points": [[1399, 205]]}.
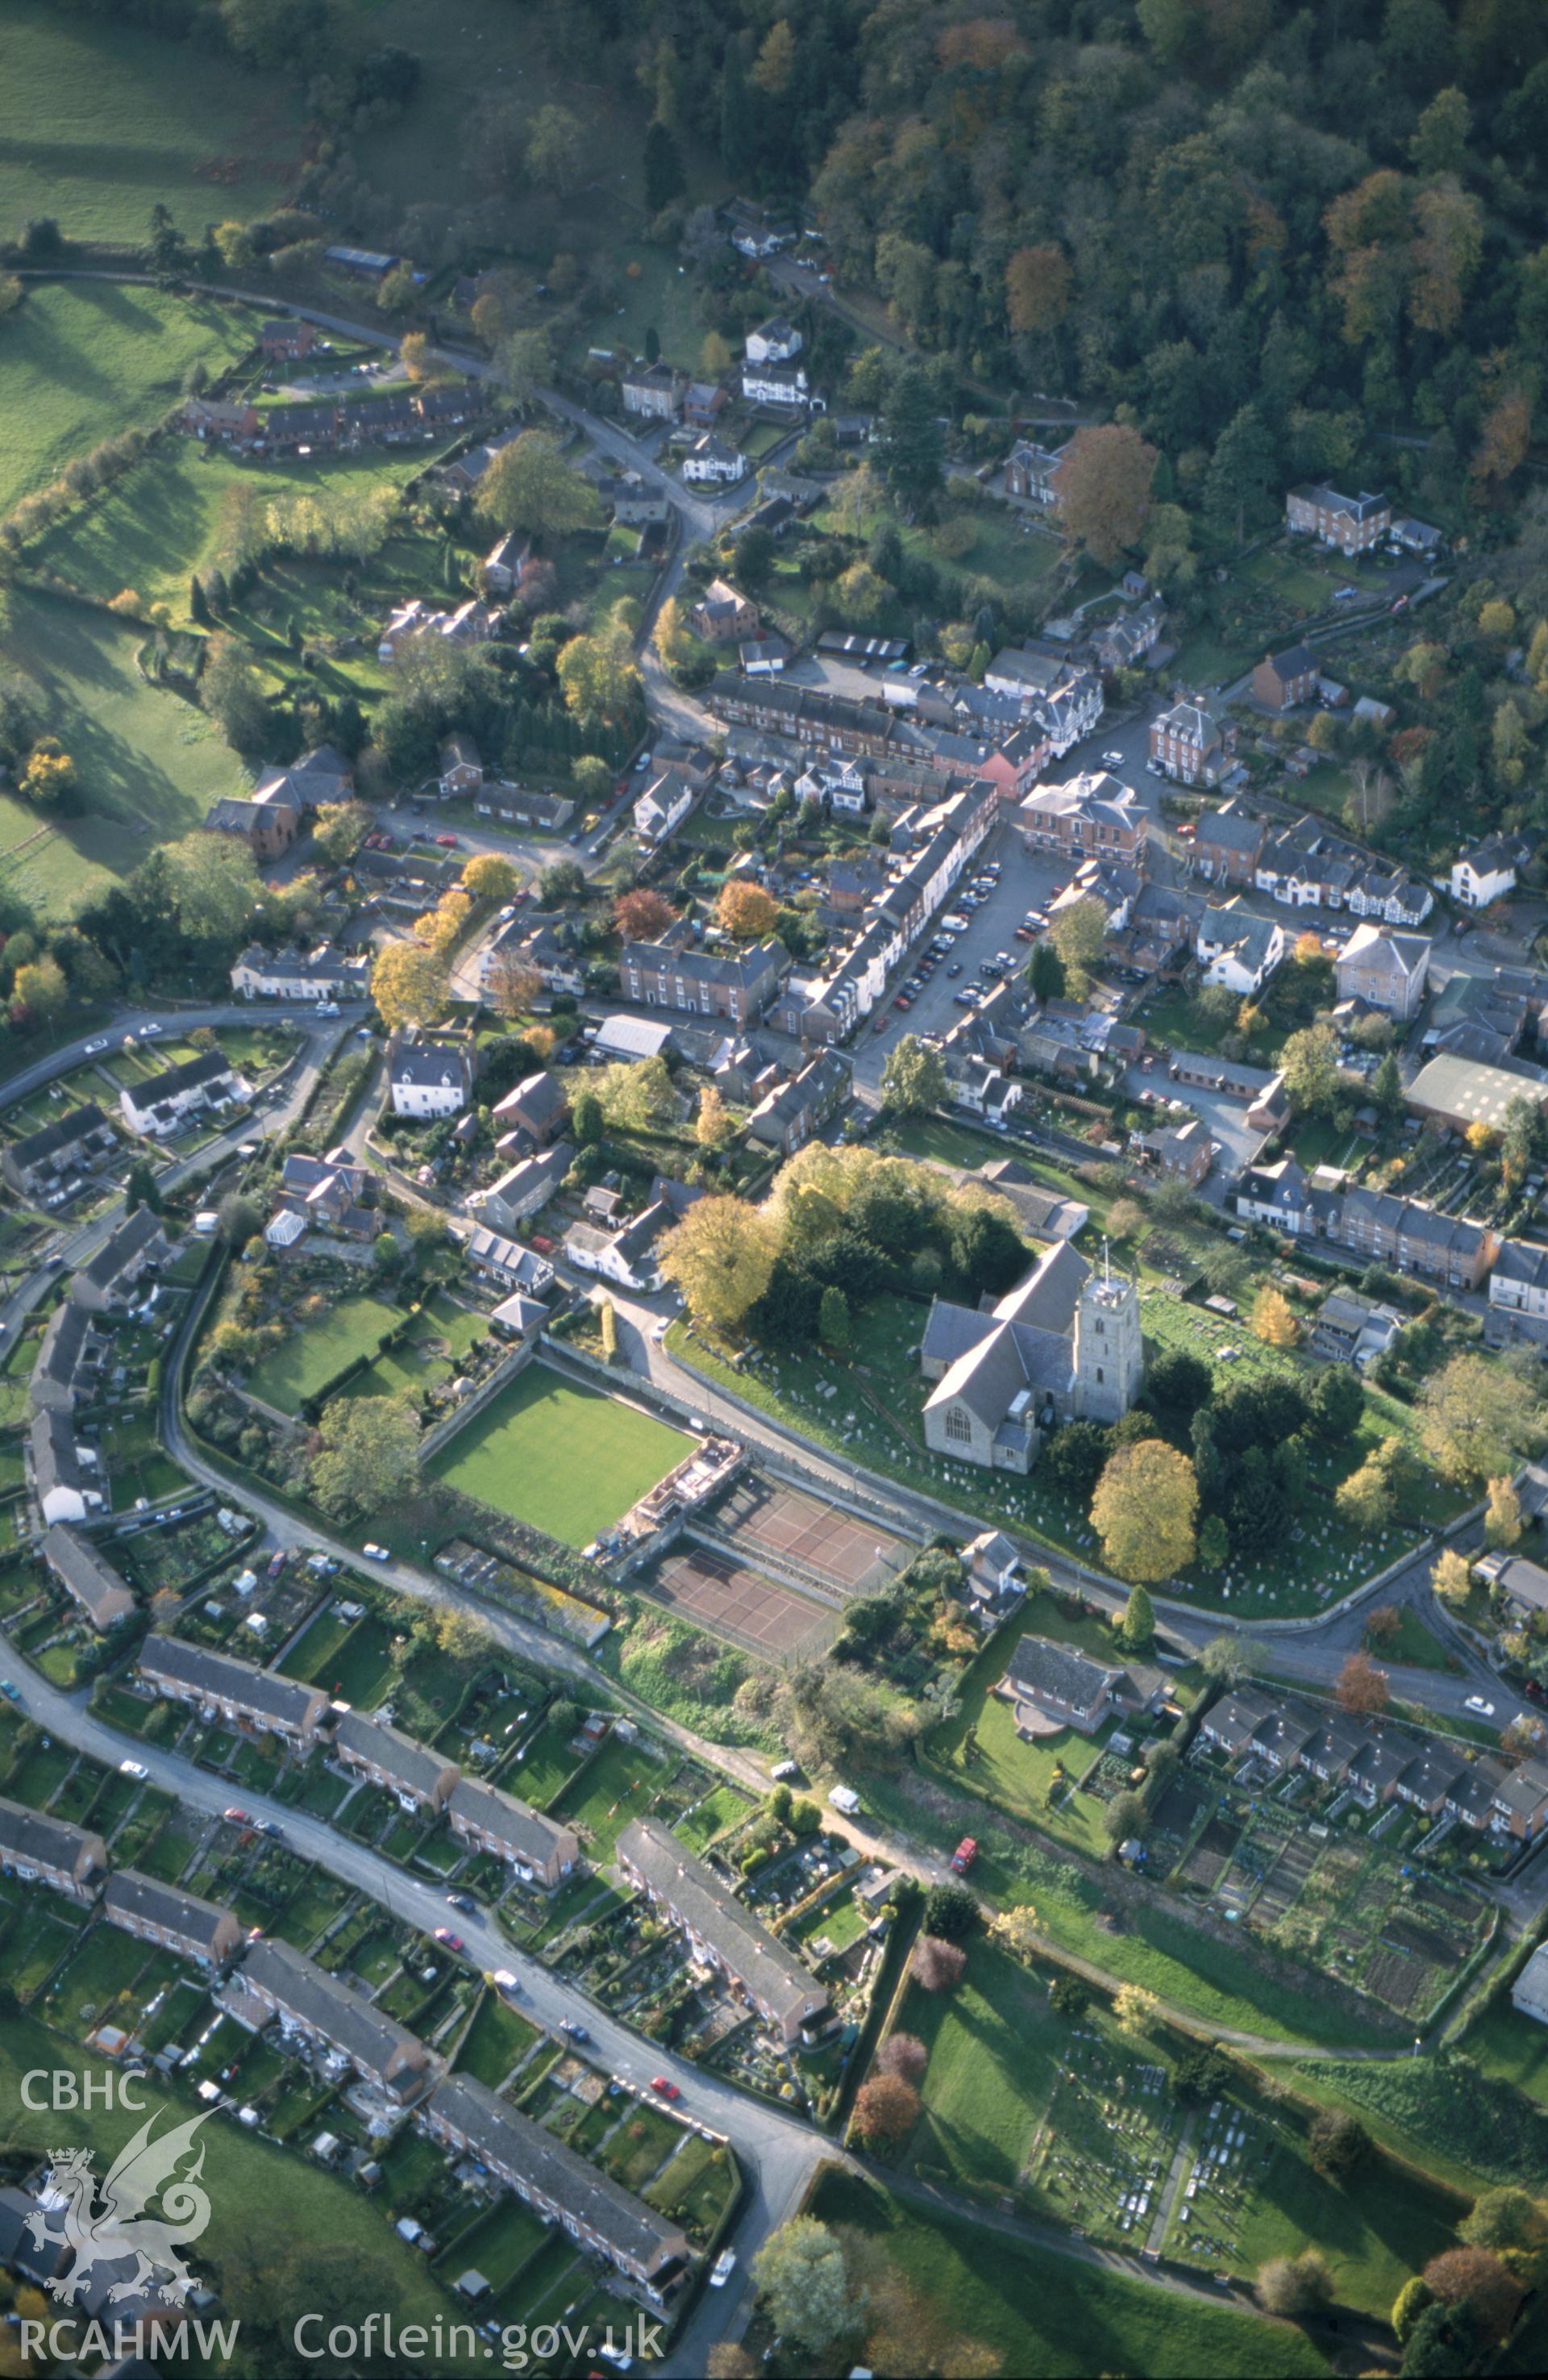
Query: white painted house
{"points": [[774, 341], [715, 463], [163, 1104], [1238, 949], [663, 806], [1490, 871], [429, 1079]]}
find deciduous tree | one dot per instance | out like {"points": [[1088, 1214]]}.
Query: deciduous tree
{"points": [[802, 2279], [1294, 2286], [1476, 1417], [490, 876], [529, 486], [408, 984], [746, 910], [1361, 1686], [935, 1965], [1135, 2009], [1502, 1521], [1274, 1317], [1103, 487], [365, 1442], [720, 1256], [642, 915], [1144, 1510], [886, 2108], [913, 1077]]}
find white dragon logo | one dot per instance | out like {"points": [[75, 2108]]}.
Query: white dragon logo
{"points": [[119, 2227]]}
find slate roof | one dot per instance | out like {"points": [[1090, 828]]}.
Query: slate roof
{"points": [[49, 1842], [501, 2136], [155, 1903], [418, 1768], [1040, 1666], [709, 1906], [134, 1235], [217, 1675], [331, 2009], [63, 1133], [99, 1589], [531, 1835]]}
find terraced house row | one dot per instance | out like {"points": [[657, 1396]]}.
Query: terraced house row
{"points": [[260, 1982], [261, 1702]]}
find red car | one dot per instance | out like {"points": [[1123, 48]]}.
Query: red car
{"points": [[447, 842], [667, 2089], [964, 1855], [447, 1940], [235, 1817]]}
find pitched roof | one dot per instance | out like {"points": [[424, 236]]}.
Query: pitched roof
{"points": [[527, 1830], [712, 1910], [99, 1589], [1040, 1665], [63, 1133], [209, 1066], [138, 1233], [414, 1765], [216, 1674], [502, 2136], [155, 1903], [49, 1842], [339, 2015]]}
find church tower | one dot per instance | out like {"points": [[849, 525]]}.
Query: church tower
{"points": [[1109, 1346]]}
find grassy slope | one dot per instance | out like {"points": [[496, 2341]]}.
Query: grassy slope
{"points": [[102, 120], [149, 763], [80, 362], [269, 2210], [162, 520], [1035, 2313]]}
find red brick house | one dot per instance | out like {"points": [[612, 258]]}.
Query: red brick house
{"points": [[1281, 680]]}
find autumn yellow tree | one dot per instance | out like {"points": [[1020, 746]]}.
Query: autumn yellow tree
{"points": [[1452, 1577], [438, 928], [1273, 1319], [490, 876], [1135, 2009], [720, 1256], [408, 984], [1144, 1510], [1502, 1521], [714, 1126], [746, 910]]}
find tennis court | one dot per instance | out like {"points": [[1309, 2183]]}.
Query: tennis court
{"points": [[761, 1513], [717, 1592]]}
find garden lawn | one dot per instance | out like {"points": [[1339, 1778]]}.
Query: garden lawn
{"points": [[319, 1351], [79, 363], [106, 119], [620, 1784], [939, 2285], [563, 1459], [494, 2042]]}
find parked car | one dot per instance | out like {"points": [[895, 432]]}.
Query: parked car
{"points": [[573, 2032], [133, 1769], [374, 1552], [447, 842], [11, 1691], [722, 2268], [1479, 1706], [667, 2089], [964, 1855], [235, 1817], [464, 1902]]}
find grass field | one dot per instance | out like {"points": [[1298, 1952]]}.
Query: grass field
{"points": [[311, 1357], [79, 363], [105, 120], [150, 765], [620, 1784], [937, 2287], [563, 1459]]}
